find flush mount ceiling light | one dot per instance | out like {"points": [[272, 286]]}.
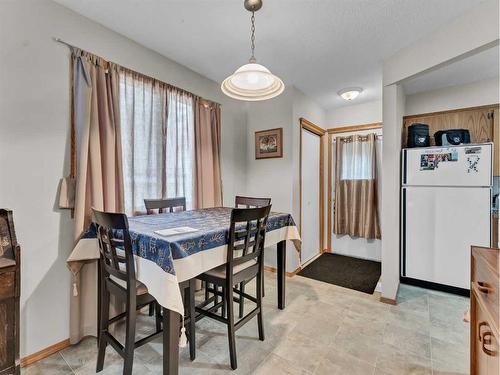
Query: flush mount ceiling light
{"points": [[252, 81], [350, 93]]}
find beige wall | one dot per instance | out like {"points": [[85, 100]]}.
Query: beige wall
{"points": [[278, 178], [356, 114], [461, 96], [34, 118]]}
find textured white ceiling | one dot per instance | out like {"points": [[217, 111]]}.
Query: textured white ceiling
{"points": [[481, 66], [319, 46]]}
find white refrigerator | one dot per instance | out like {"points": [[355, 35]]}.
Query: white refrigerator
{"points": [[445, 208]]}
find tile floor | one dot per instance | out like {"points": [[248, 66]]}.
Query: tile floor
{"points": [[325, 329]]}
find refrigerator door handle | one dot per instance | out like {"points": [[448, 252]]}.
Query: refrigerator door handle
{"points": [[403, 232], [405, 167]]}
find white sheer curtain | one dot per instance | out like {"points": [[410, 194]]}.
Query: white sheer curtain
{"points": [[157, 141], [357, 160], [180, 147]]}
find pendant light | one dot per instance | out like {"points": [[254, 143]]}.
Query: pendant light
{"points": [[252, 81]]}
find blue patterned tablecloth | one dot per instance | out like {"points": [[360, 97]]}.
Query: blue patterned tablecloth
{"points": [[212, 226]]}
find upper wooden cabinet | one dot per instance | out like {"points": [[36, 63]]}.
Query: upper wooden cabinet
{"points": [[482, 123]]}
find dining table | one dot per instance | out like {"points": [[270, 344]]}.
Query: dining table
{"points": [[163, 262]]}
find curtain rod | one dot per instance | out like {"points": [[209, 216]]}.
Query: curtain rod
{"points": [[377, 137], [59, 40]]}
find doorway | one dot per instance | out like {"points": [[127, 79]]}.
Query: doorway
{"points": [[311, 190]]}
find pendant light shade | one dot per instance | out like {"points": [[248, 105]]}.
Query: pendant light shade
{"points": [[252, 81]]}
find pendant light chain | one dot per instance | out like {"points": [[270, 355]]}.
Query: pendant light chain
{"points": [[252, 39]]}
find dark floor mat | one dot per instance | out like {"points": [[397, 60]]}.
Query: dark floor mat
{"points": [[352, 273]]}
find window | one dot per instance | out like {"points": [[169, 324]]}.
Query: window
{"points": [[357, 163], [157, 131]]}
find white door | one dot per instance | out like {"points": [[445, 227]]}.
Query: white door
{"points": [[439, 227], [310, 227]]}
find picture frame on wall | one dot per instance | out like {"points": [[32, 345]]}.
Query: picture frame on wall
{"points": [[269, 143]]}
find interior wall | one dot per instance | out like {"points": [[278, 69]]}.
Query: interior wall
{"points": [[460, 96], [475, 30], [305, 107], [356, 114], [34, 113], [272, 177], [279, 178], [458, 39], [394, 106]]}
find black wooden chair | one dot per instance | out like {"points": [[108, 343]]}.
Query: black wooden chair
{"points": [[244, 262], [164, 205], [117, 277], [249, 202]]}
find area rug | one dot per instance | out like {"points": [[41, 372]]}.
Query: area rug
{"points": [[348, 272]]}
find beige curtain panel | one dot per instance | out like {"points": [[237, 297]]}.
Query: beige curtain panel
{"points": [[99, 177], [207, 154], [356, 203]]}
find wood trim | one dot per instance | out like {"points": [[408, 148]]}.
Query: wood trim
{"points": [[481, 107], [44, 353], [355, 128], [389, 301], [288, 274], [329, 193], [315, 129], [306, 124]]}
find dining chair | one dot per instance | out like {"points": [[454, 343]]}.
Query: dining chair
{"points": [[164, 205], [249, 202], [244, 262], [117, 277]]}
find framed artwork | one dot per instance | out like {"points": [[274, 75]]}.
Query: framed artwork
{"points": [[269, 143]]}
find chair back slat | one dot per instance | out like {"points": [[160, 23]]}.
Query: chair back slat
{"points": [[246, 236], [251, 202], [117, 258], [164, 205]]}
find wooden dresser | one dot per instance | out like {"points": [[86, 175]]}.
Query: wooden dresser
{"points": [[485, 310], [9, 295]]}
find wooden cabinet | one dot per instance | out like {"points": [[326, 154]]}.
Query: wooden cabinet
{"points": [[485, 308], [478, 120], [494, 230], [9, 295], [496, 142]]}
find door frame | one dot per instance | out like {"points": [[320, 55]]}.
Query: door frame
{"points": [[331, 200], [319, 131]]}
